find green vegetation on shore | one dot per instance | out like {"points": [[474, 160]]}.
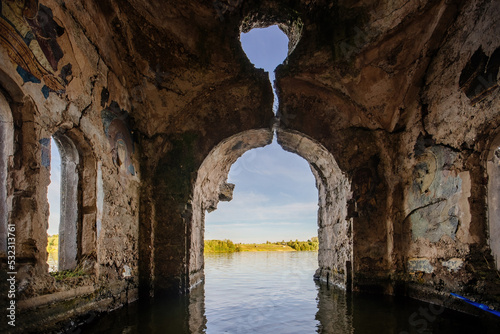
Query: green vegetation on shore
{"points": [[220, 246], [53, 243], [227, 246]]}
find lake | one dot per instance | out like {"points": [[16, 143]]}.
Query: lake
{"points": [[274, 292]]}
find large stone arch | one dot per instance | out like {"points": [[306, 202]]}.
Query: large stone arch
{"points": [[210, 181], [334, 225], [335, 255]]}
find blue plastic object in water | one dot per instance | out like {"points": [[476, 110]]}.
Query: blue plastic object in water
{"points": [[478, 305]]}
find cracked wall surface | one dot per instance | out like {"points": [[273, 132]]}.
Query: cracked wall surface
{"points": [[397, 99]]}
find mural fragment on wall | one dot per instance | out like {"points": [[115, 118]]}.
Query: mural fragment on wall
{"points": [[115, 123], [29, 34], [434, 195]]}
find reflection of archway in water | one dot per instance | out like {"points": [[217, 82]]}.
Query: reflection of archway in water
{"points": [[335, 242], [336, 312]]}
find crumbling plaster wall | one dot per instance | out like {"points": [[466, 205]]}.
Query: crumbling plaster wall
{"points": [[68, 98], [459, 121], [387, 97]]}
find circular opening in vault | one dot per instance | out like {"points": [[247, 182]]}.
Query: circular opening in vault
{"points": [[266, 48]]}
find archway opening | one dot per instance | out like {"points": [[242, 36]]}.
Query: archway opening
{"points": [[332, 194], [333, 189], [54, 198], [260, 182], [274, 199]]}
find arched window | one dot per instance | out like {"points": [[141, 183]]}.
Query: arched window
{"points": [[6, 150], [493, 167], [69, 202], [77, 231]]}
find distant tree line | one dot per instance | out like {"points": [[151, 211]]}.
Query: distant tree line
{"points": [[220, 246], [309, 245], [227, 246]]}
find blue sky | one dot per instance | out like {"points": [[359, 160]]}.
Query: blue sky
{"points": [[275, 197]]}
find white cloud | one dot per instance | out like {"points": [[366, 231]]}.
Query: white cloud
{"points": [[257, 210], [252, 217]]}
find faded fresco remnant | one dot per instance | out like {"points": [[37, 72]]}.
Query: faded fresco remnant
{"points": [[29, 34], [453, 264], [434, 194], [420, 265], [115, 122]]}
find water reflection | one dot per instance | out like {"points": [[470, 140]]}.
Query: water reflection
{"points": [[334, 311], [197, 322], [340, 312], [179, 315], [275, 293]]}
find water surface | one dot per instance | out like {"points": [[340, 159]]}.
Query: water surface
{"points": [[273, 292]]}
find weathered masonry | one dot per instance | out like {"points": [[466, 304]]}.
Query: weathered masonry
{"points": [[394, 104]]}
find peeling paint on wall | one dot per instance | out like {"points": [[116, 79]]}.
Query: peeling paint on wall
{"points": [[453, 264], [420, 265], [434, 195], [115, 122]]}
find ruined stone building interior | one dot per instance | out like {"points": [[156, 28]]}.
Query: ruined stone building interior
{"points": [[394, 104]]}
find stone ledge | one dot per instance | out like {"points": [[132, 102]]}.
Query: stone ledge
{"points": [[55, 297]]}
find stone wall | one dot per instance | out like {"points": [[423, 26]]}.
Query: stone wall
{"points": [[56, 84]]}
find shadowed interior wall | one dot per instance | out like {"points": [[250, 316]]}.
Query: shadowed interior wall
{"points": [[493, 169], [6, 149]]}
